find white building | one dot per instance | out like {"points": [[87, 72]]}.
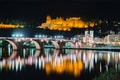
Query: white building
{"points": [[89, 36]]}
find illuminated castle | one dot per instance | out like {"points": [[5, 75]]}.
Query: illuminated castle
{"points": [[65, 25]]}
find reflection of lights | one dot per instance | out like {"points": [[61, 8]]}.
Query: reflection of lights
{"points": [[16, 62], [119, 55], [63, 63], [9, 63], [59, 69], [95, 58], [108, 58], [13, 65], [48, 69], [39, 63], [30, 60], [67, 66], [36, 61]]}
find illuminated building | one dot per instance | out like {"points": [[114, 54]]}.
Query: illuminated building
{"points": [[112, 39], [11, 26], [89, 35], [99, 40], [65, 25]]}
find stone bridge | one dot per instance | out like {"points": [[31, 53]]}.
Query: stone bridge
{"points": [[17, 44], [40, 43]]}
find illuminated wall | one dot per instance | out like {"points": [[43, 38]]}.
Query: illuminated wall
{"points": [[11, 26]]}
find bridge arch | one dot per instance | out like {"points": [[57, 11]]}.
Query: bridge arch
{"points": [[37, 53], [56, 52], [14, 49], [13, 55], [78, 44], [35, 42], [56, 45], [71, 44], [14, 46], [37, 46]]}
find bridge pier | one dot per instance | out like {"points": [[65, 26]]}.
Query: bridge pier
{"points": [[20, 48]]}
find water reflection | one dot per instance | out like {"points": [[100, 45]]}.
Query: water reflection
{"points": [[57, 64], [64, 65], [13, 55], [67, 61], [28, 52]]}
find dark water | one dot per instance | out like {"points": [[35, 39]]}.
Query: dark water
{"points": [[67, 64]]}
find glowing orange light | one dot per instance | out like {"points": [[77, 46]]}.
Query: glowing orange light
{"points": [[70, 67], [64, 29], [91, 24], [10, 26], [76, 72], [67, 66], [6, 67], [80, 65], [86, 26], [48, 69], [59, 69]]}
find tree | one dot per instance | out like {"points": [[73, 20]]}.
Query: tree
{"points": [[112, 74]]}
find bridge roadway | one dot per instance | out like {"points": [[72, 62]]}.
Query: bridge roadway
{"points": [[110, 48]]}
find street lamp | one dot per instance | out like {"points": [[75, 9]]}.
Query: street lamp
{"points": [[17, 35], [40, 36]]}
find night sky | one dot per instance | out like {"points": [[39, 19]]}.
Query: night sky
{"points": [[37, 10], [34, 12]]}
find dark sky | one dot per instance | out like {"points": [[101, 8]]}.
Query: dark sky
{"points": [[36, 10]]}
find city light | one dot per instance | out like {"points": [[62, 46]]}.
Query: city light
{"points": [[73, 38], [17, 35], [58, 37], [40, 36]]}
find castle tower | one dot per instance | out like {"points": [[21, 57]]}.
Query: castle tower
{"points": [[48, 20]]}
